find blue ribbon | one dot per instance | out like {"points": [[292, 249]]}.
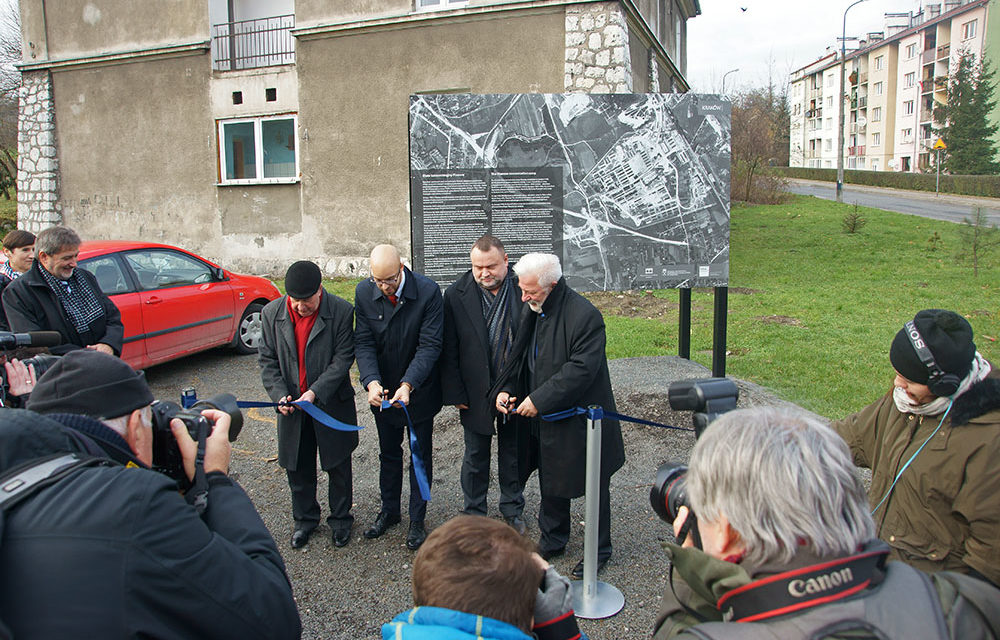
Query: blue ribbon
{"points": [[314, 412], [598, 413], [415, 460]]}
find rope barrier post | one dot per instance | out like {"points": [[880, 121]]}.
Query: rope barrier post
{"points": [[593, 599]]}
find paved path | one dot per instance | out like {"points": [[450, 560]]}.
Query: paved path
{"points": [[947, 207]]}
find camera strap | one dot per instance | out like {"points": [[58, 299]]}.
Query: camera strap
{"points": [[802, 588], [27, 479], [197, 495]]}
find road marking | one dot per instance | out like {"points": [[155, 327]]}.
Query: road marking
{"points": [[257, 415]]}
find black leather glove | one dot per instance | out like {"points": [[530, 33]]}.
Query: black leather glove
{"points": [[554, 619]]}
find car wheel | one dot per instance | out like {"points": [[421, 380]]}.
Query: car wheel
{"points": [[248, 331]]}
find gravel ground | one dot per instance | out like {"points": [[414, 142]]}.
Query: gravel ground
{"points": [[349, 592]]}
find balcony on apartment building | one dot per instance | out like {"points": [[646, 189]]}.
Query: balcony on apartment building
{"points": [[814, 113], [250, 44], [928, 56], [941, 82], [856, 151], [859, 103], [858, 127], [944, 52]]}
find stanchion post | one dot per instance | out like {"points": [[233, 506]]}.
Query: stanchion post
{"points": [[719, 332], [593, 599], [684, 324]]}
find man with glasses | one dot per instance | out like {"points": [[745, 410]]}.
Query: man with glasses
{"points": [[397, 341]]}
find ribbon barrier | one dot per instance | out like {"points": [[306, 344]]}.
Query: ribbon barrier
{"points": [[579, 411], [314, 412], [416, 461]]}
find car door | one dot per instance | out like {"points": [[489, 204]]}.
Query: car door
{"points": [[115, 282], [185, 308]]}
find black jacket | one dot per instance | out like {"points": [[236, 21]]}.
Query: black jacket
{"points": [[571, 370], [402, 343], [116, 552], [31, 305], [465, 357]]}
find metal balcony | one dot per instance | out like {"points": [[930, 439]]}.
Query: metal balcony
{"points": [[250, 44]]}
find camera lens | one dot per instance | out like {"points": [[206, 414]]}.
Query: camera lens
{"points": [[669, 492]]}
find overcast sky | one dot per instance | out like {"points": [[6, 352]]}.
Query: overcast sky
{"points": [[782, 35]]}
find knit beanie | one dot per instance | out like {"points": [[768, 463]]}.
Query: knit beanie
{"points": [[303, 279], [90, 383], [949, 338]]}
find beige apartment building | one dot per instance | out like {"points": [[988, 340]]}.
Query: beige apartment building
{"points": [[893, 80], [257, 132]]}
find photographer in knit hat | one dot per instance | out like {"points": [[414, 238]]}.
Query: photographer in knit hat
{"points": [[932, 444]]}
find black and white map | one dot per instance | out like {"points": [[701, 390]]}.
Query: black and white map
{"points": [[630, 190]]}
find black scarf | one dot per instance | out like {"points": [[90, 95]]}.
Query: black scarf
{"points": [[496, 312], [77, 297]]}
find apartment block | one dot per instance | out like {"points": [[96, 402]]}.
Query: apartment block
{"points": [[893, 81]]}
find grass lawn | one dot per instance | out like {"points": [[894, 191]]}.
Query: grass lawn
{"points": [[812, 310]]}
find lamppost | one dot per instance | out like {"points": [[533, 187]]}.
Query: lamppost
{"points": [[840, 118], [724, 79]]}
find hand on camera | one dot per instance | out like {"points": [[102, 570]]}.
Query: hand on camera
{"points": [[682, 514], [554, 619], [20, 378], [217, 448]]}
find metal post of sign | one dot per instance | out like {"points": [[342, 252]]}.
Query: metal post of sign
{"points": [[684, 324], [937, 163], [593, 599], [719, 332]]}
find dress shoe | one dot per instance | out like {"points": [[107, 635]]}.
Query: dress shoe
{"points": [[301, 536], [341, 537], [548, 554], [382, 522], [578, 569], [517, 524], [415, 536]]}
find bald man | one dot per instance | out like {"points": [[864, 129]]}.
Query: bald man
{"points": [[397, 342]]}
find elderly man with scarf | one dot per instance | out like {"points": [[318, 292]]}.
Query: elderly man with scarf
{"points": [[481, 313], [56, 296], [932, 443]]}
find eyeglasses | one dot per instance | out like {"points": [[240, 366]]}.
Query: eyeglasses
{"points": [[387, 281]]}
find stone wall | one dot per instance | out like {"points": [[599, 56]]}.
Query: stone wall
{"points": [[597, 55], [38, 204]]}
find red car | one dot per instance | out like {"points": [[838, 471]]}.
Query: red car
{"points": [[174, 303]]}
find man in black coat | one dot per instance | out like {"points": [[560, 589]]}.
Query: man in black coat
{"points": [[397, 342], [56, 296], [481, 313], [561, 364], [112, 550], [306, 353]]}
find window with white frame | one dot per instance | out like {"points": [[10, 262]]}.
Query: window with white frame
{"points": [[878, 87], [908, 108], [877, 114], [829, 101], [258, 150], [876, 139], [879, 61], [906, 134], [829, 124], [438, 4], [911, 50], [909, 79], [969, 30], [829, 80]]}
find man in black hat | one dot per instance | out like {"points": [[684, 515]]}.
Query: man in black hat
{"points": [[306, 352], [112, 549], [931, 444]]}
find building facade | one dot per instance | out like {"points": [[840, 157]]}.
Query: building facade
{"points": [[257, 132], [893, 81]]}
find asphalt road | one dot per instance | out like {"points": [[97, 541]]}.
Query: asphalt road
{"points": [[349, 592], [947, 207]]}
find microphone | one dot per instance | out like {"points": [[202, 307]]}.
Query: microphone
{"points": [[10, 340]]}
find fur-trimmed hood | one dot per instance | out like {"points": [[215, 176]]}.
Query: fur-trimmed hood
{"points": [[980, 399]]}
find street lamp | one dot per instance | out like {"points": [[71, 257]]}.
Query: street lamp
{"points": [[840, 119], [724, 79]]}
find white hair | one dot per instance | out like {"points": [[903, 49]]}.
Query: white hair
{"points": [[544, 266], [120, 424], [782, 479]]}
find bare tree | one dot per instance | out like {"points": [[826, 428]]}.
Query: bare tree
{"points": [[979, 238], [760, 141], [10, 84]]}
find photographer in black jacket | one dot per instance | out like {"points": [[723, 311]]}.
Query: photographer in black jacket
{"points": [[113, 550]]}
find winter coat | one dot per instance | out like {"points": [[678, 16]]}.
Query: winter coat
{"points": [[329, 356], [31, 305], [465, 357], [117, 552], [571, 370], [899, 601], [435, 623], [401, 343], [944, 512]]}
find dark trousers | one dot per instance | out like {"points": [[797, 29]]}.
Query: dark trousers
{"points": [[390, 457], [476, 471], [302, 482], [554, 522]]}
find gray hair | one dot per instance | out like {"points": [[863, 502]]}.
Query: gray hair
{"points": [[544, 266], [782, 479], [119, 424], [54, 239]]}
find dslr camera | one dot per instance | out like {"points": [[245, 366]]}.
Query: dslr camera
{"points": [[708, 398], [166, 454]]}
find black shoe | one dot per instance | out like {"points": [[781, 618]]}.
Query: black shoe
{"points": [[578, 569], [341, 537], [415, 536], [551, 553], [382, 522], [517, 524], [301, 536]]}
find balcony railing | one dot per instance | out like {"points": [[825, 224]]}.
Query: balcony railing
{"points": [[941, 82], [928, 56], [856, 151], [944, 51], [249, 44], [858, 128]]}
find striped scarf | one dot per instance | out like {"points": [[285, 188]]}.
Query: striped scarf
{"points": [[77, 297], [7, 270], [496, 312]]}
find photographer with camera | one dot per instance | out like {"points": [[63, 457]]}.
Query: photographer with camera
{"points": [[110, 548], [788, 547]]}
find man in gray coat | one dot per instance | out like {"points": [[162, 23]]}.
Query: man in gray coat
{"points": [[306, 352]]}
